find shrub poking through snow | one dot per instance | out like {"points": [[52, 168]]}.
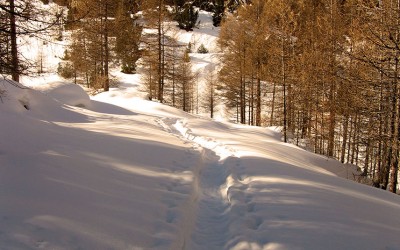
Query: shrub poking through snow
{"points": [[66, 70], [202, 49]]}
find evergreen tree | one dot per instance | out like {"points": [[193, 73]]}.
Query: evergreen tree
{"points": [[218, 12], [233, 5], [186, 16]]}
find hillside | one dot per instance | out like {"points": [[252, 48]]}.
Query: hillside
{"points": [[116, 171], [142, 175]]}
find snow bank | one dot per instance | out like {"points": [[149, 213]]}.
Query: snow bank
{"points": [[20, 99], [66, 93]]}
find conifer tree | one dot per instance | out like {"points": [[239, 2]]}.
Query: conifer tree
{"points": [[96, 27], [156, 15], [185, 79], [328, 71], [380, 52], [244, 38], [173, 56], [218, 12], [234, 42], [81, 57], [186, 16], [209, 101]]}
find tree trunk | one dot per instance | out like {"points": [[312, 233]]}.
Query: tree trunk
{"points": [[345, 131], [14, 48], [106, 49], [212, 99], [258, 105], [271, 120], [160, 53], [284, 91], [394, 168]]}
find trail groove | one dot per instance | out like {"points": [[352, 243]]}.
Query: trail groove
{"points": [[207, 216]]}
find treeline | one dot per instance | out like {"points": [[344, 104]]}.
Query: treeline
{"points": [[326, 71]]}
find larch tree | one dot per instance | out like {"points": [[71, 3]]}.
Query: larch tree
{"points": [[257, 38], [209, 101], [380, 52], [244, 39], [127, 33], [96, 26], [156, 14], [234, 43], [185, 81], [281, 17]]}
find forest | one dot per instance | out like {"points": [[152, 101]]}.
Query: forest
{"points": [[325, 71]]}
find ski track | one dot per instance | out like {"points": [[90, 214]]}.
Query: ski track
{"points": [[217, 196]]}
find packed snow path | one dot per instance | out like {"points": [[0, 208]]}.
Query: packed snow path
{"points": [[210, 216]]}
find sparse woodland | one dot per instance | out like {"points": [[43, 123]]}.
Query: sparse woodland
{"points": [[326, 71]]}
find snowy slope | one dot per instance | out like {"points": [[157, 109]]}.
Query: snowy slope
{"points": [[68, 181], [142, 175], [115, 171]]}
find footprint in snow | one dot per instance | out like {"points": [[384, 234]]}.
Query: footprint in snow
{"points": [[253, 222]]}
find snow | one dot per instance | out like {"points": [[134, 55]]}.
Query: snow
{"points": [[205, 33], [116, 171], [70, 94], [142, 175]]}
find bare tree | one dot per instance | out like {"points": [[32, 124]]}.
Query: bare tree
{"points": [[20, 18]]}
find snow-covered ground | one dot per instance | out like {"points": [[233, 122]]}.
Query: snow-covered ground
{"points": [[115, 171], [120, 172]]}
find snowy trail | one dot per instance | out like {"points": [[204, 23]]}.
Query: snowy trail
{"points": [[241, 201], [209, 216], [212, 222], [116, 176]]}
